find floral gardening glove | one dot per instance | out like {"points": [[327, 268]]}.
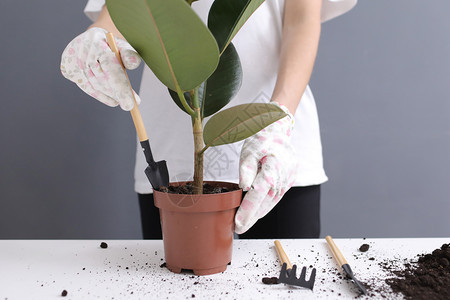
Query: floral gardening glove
{"points": [[89, 62], [267, 169]]}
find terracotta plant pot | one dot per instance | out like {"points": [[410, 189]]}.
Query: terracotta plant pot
{"points": [[198, 229]]}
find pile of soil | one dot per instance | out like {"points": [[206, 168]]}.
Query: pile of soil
{"points": [[188, 188], [428, 278]]}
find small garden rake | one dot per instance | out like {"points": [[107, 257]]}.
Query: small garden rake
{"points": [[288, 271]]}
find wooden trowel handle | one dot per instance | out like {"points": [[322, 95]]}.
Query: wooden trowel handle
{"points": [[135, 113], [336, 252], [283, 257]]}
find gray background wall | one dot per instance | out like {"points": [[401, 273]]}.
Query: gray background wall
{"points": [[381, 85]]}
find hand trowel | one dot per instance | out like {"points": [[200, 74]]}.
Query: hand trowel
{"points": [[156, 171]]}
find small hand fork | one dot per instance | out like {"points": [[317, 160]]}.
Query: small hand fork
{"points": [[288, 271]]}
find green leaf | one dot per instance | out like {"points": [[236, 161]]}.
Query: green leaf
{"points": [[240, 122], [170, 37], [223, 84], [221, 87], [226, 17]]}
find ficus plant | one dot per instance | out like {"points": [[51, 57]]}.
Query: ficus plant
{"points": [[198, 64]]}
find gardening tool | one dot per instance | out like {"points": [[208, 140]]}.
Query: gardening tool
{"points": [[344, 264], [288, 271], [157, 172]]}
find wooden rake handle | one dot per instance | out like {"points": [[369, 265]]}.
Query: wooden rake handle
{"points": [[135, 113], [283, 257], [336, 252]]}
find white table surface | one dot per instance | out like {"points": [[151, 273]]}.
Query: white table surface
{"points": [[130, 269]]}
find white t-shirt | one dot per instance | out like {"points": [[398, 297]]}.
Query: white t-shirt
{"points": [[258, 45]]}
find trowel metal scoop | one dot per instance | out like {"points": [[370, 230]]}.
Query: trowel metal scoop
{"points": [[344, 264], [156, 172]]}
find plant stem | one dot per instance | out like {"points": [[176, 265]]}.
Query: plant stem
{"points": [[198, 143], [204, 149], [198, 155], [184, 103]]}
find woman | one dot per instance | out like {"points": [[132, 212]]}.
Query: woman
{"points": [[277, 47]]}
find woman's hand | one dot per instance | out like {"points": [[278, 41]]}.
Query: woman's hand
{"points": [[267, 170], [89, 62]]}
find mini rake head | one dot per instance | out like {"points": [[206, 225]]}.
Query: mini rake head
{"points": [[290, 277]]}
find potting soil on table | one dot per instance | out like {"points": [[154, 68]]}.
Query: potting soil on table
{"points": [[426, 278]]}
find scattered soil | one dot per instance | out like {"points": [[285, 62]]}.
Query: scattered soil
{"points": [[364, 248], [270, 280], [428, 278], [188, 188]]}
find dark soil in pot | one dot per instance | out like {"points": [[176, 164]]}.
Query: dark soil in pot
{"points": [[188, 188]]}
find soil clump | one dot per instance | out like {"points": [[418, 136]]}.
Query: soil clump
{"points": [[364, 248], [270, 280]]}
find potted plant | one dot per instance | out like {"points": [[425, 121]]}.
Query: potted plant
{"points": [[201, 68]]}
